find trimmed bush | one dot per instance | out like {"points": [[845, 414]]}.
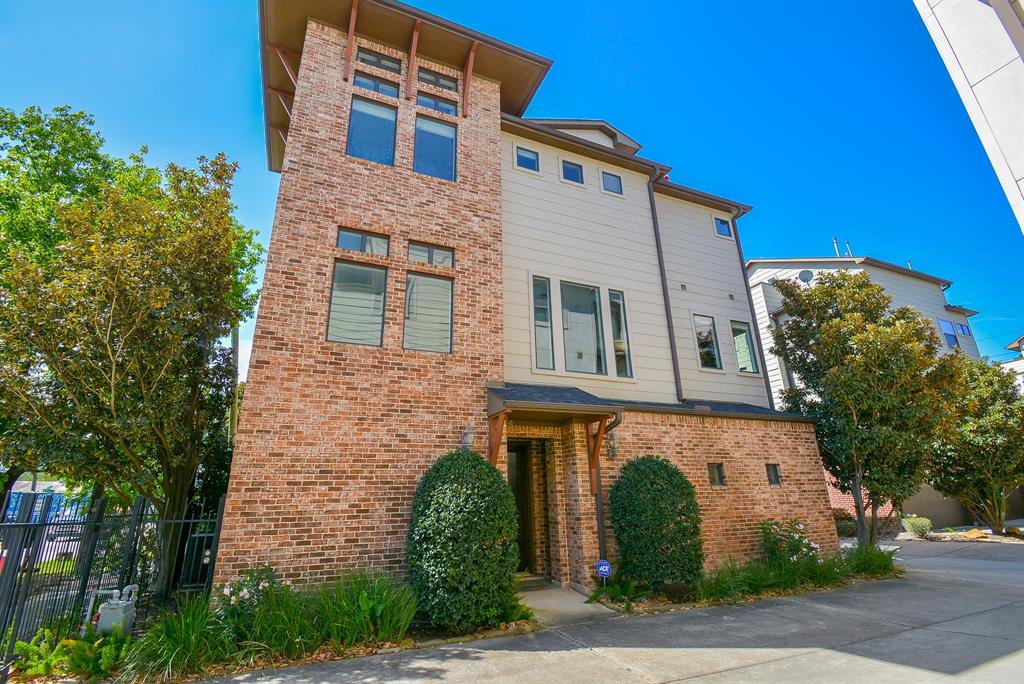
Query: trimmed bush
{"points": [[657, 524], [917, 525], [463, 544]]}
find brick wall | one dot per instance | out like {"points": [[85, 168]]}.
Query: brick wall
{"points": [[729, 514], [334, 437]]}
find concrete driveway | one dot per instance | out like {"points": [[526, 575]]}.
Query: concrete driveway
{"points": [[957, 615]]}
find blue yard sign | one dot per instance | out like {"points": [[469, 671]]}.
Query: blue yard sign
{"points": [[603, 568]]}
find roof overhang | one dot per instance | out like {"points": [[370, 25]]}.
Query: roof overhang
{"points": [[622, 142], [962, 310], [1017, 344], [283, 24], [854, 261]]}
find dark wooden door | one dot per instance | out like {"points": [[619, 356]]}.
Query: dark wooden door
{"points": [[519, 479]]}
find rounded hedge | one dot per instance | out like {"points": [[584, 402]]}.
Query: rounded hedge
{"points": [[463, 543], [657, 524]]}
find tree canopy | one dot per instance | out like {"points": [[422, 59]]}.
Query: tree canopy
{"points": [[874, 380], [981, 461]]}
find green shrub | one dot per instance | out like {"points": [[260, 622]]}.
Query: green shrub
{"points": [[733, 581], [94, 656], [846, 524], [236, 606], [617, 589], [180, 643], [283, 623], [871, 561], [917, 525], [363, 608], [787, 541], [657, 524], [727, 583], [40, 657], [463, 544]]}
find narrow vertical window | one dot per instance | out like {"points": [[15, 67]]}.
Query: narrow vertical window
{"points": [[949, 333], [582, 329], [707, 342], [435, 148], [620, 334], [746, 354], [774, 474], [716, 474], [371, 131], [543, 341], [357, 304], [428, 313]]}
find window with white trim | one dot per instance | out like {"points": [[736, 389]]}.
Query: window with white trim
{"points": [[582, 329], [723, 228], [572, 172], [543, 335], [746, 351], [611, 182], [948, 333], [707, 342], [620, 334], [527, 159], [963, 330]]}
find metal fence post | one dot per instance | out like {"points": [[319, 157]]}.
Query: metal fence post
{"points": [[15, 542], [216, 542], [130, 552], [91, 534]]}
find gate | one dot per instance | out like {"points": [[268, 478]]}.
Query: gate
{"points": [[56, 559]]}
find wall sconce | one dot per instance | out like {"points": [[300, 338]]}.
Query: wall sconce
{"points": [[613, 445], [467, 438]]}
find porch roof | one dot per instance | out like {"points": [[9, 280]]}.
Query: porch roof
{"points": [[539, 399]]}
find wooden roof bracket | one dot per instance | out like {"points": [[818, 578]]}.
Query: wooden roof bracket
{"points": [[468, 78], [350, 39], [283, 54], [412, 58], [285, 98], [281, 131], [495, 432], [594, 441]]}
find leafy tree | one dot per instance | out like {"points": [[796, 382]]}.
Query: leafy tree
{"points": [[872, 377], [115, 340], [981, 461]]}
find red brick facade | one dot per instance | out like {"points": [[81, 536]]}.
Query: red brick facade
{"points": [[334, 437]]}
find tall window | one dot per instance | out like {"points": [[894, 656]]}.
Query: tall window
{"points": [[435, 148], [949, 333], [582, 329], [707, 341], [371, 131], [428, 313], [357, 304], [620, 334], [543, 340], [746, 354]]}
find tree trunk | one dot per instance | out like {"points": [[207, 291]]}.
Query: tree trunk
{"points": [[9, 478], [863, 535], [993, 511], [169, 533], [873, 530]]}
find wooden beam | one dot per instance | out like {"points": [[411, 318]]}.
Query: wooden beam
{"points": [[594, 442], [350, 39], [281, 52], [285, 98], [285, 51], [412, 59], [467, 78], [281, 131], [495, 431]]}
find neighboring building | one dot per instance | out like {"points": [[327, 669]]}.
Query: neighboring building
{"points": [[1017, 365], [444, 272], [982, 45], [907, 287]]}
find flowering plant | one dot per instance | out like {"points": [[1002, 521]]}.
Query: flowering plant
{"points": [[238, 600], [787, 541]]}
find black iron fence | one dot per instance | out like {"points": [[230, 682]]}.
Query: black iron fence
{"points": [[58, 561]]}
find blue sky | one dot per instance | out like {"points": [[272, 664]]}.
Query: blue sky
{"points": [[829, 118]]}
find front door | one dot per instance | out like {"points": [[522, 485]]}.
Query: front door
{"points": [[519, 479]]}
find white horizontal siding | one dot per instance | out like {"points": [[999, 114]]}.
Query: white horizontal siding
{"points": [[580, 234], [710, 268]]}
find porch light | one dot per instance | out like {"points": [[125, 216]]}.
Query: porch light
{"points": [[467, 438], [613, 445]]}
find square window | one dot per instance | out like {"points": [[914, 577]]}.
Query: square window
{"points": [[963, 330], [716, 474], [378, 60], [438, 104], [774, 474], [358, 241], [438, 80], [611, 182], [428, 313], [357, 304], [527, 159], [371, 131], [571, 171], [435, 148], [723, 227], [377, 85]]}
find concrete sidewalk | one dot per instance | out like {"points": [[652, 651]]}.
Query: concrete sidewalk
{"points": [[957, 615]]}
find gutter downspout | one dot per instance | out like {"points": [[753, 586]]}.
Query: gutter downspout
{"points": [[602, 532], [753, 314], [665, 294]]}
